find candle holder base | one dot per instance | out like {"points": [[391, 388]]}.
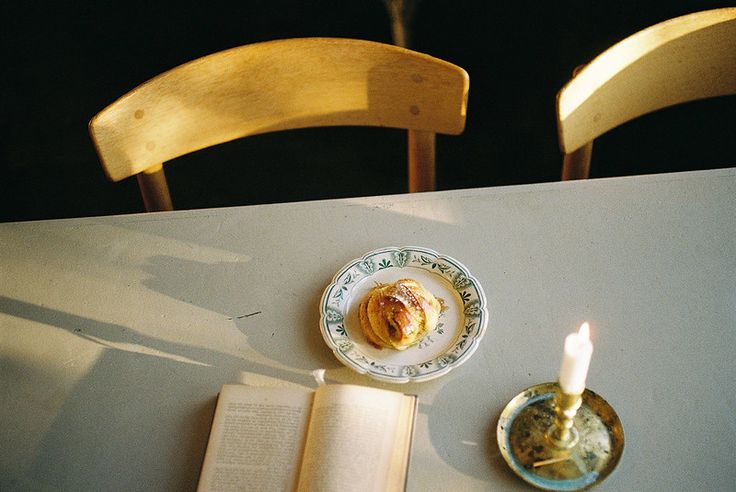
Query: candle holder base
{"points": [[525, 443]]}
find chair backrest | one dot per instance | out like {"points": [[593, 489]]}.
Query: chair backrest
{"points": [[280, 85], [682, 59]]}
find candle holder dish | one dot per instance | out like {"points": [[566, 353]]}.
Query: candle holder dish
{"points": [[559, 441]]}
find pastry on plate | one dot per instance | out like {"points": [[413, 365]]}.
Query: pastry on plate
{"points": [[398, 315]]}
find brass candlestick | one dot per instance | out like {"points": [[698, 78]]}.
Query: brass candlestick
{"points": [[559, 441], [562, 433]]}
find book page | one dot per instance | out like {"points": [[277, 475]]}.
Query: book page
{"points": [[354, 439], [256, 440]]}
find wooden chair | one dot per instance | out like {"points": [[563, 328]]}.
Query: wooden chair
{"points": [[280, 85], [676, 61]]}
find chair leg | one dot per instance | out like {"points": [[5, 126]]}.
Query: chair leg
{"points": [[576, 164], [421, 161], [155, 189]]}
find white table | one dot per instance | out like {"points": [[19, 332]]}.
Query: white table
{"points": [[117, 332]]}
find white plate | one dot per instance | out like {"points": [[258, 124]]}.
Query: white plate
{"points": [[457, 335]]}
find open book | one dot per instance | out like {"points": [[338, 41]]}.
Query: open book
{"points": [[338, 437]]}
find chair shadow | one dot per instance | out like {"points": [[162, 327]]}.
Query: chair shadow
{"points": [[150, 410], [458, 441], [266, 321]]}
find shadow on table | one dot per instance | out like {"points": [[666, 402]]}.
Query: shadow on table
{"points": [[266, 320], [463, 431], [152, 410]]}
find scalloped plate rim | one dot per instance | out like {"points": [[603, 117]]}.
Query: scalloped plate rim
{"points": [[473, 342]]}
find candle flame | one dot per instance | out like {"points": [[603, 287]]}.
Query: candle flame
{"points": [[584, 330]]}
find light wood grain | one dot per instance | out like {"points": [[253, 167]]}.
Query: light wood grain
{"points": [[683, 59], [280, 85], [155, 189]]}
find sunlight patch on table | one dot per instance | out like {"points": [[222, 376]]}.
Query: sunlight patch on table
{"points": [[262, 380], [413, 206], [141, 349], [44, 377]]}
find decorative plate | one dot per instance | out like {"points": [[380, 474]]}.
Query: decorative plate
{"points": [[458, 333]]}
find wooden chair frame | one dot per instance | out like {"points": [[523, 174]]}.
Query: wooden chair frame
{"points": [[280, 85], [683, 59]]}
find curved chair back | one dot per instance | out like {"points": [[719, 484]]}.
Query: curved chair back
{"points": [[683, 59], [280, 85]]}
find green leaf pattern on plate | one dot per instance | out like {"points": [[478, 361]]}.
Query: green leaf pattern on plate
{"points": [[367, 266], [384, 264], [460, 281], [402, 258], [333, 315], [344, 345], [472, 308]]}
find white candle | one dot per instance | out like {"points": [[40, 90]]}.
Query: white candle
{"points": [[575, 361]]}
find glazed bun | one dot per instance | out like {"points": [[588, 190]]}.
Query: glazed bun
{"points": [[398, 315]]}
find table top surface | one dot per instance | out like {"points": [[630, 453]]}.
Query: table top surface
{"points": [[116, 333]]}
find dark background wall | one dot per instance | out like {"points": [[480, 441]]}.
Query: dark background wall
{"points": [[63, 62]]}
